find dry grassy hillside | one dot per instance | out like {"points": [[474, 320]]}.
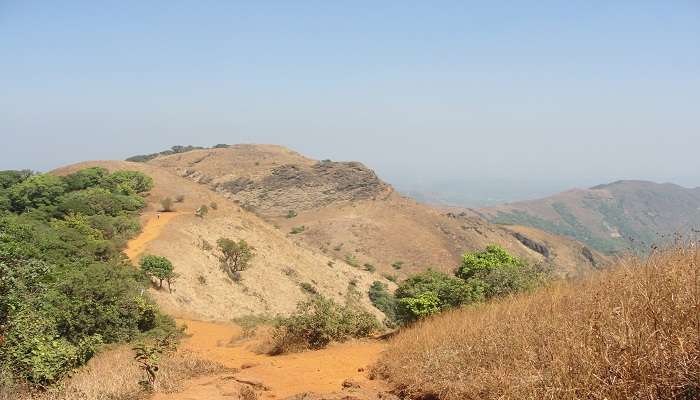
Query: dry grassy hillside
{"points": [[348, 213], [203, 291], [631, 332]]}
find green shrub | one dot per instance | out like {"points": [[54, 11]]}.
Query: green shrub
{"points": [[352, 260], [369, 267], [384, 301], [297, 229], [87, 178], [423, 305], [319, 321], [202, 211], [128, 182], [214, 206], [35, 351], [308, 288], [291, 214], [397, 265], [391, 277], [430, 292], [494, 272]]}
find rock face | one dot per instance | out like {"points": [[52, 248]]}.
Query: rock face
{"points": [[302, 187], [533, 245]]}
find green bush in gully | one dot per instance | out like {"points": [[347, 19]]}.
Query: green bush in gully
{"points": [[65, 288], [481, 276], [319, 321]]}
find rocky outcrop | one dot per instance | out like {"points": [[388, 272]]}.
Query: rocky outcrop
{"points": [[301, 187], [531, 244]]}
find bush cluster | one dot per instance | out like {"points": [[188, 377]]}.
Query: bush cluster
{"points": [[319, 321], [64, 285], [481, 276]]}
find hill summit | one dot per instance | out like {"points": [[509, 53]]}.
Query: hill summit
{"points": [[343, 210]]}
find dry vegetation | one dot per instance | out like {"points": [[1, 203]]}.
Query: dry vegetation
{"points": [[115, 375], [346, 209], [629, 333]]}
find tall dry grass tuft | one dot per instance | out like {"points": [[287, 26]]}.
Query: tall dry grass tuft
{"points": [[632, 332], [114, 375]]}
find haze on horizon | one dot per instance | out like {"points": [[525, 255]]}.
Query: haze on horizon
{"points": [[514, 100]]}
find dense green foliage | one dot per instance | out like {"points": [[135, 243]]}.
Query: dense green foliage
{"points": [[481, 276], [384, 301], [65, 288], [493, 272], [430, 292], [319, 321]]}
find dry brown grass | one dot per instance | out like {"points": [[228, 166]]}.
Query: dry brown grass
{"points": [[629, 333], [114, 375]]}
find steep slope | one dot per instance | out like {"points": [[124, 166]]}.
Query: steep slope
{"points": [[203, 291], [345, 211], [610, 218]]}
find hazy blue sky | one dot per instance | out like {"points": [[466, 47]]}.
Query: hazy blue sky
{"points": [[546, 93]]}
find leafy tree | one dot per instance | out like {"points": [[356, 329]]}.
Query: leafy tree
{"points": [[87, 178], [12, 177], [126, 181], [235, 256], [36, 191], [423, 305], [494, 272], [157, 267], [474, 264], [416, 295]]}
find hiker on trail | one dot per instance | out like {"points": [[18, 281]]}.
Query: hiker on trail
{"points": [[157, 215]]}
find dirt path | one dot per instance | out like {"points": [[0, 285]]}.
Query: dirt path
{"points": [[277, 377], [151, 230]]}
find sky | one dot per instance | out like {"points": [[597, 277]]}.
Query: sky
{"points": [[506, 99]]}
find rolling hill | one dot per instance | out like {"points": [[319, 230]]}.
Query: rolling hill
{"points": [[611, 218], [344, 211], [272, 284]]}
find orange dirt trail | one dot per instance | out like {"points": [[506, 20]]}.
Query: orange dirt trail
{"points": [[321, 371], [151, 230]]}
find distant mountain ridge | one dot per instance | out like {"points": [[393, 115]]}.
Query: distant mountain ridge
{"points": [[612, 218]]}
